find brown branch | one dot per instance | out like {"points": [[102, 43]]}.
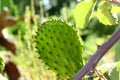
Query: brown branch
{"points": [[95, 58], [117, 2]]}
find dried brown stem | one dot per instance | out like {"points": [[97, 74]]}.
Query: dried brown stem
{"points": [[95, 58]]}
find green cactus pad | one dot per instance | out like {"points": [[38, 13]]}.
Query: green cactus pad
{"points": [[59, 47]]}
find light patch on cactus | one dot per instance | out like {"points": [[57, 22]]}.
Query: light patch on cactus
{"points": [[59, 47]]}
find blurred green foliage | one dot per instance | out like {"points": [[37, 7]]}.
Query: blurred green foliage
{"points": [[34, 14], [2, 64]]}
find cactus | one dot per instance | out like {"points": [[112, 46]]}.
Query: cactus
{"points": [[59, 47]]}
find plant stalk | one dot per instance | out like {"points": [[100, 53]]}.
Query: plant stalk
{"points": [[95, 58]]}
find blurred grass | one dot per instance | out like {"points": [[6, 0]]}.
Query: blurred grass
{"points": [[31, 68], [27, 61]]}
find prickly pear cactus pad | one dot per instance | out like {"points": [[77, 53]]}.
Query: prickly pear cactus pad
{"points": [[59, 47]]}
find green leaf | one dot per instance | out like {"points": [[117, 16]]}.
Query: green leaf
{"points": [[82, 13], [118, 65], [104, 14], [117, 51], [115, 9], [110, 70]]}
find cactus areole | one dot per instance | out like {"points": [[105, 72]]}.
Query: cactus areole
{"points": [[59, 47]]}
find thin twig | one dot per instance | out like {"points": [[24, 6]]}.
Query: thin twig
{"points": [[95, 58], [99, 74]]}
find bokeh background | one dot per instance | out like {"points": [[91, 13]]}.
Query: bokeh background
{"points": [[19, 20]]}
